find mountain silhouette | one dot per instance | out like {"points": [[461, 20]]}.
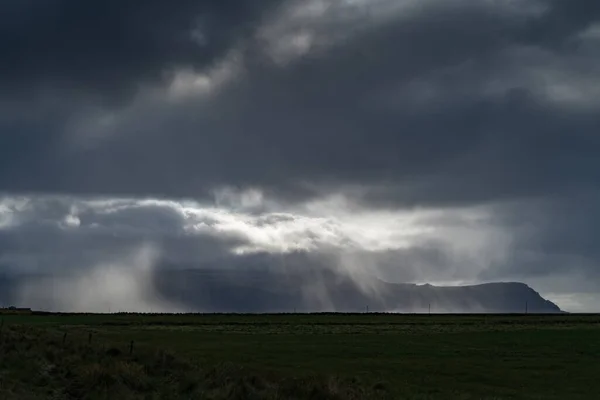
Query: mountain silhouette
{"points": [[325, 290], [311, 289]]}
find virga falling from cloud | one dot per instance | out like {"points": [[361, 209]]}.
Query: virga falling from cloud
{"points": [[119, 285]]}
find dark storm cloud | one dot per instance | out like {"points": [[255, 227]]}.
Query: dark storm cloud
{"points": [[347, 114], [108, 48], [554, 236], [563, 21], [61, 55], [47, 235]]}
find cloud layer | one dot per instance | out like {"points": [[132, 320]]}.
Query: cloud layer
{"points": [[117, 248], [433, 140]]}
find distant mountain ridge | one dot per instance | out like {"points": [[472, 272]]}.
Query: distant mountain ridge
{"points": [[314, 290], [325, 290], [497, 297]]}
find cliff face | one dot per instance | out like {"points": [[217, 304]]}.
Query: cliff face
{"points": [[504, 297], [262, 291]]}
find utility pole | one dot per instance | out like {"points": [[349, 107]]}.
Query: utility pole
{"points": [[526, 307], [430, 308]]}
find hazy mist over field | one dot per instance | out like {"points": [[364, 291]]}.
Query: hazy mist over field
{"points": [[308, 151]]}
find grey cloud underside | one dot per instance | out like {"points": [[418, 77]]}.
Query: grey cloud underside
{"points": [[553, 237], [66, 253], [105, 49], [41, 240], [200, 274], [344, 115]]}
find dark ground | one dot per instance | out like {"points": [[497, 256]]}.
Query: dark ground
{"points": [[302, 356]]}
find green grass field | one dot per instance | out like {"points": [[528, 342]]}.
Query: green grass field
{"points": [[325, 356]]}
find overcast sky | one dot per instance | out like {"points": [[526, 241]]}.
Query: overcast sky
{"points": [[417, 140]]}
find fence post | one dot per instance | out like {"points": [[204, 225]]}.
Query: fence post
{"points": [[64, 338], [131, 348], [90, 338]]}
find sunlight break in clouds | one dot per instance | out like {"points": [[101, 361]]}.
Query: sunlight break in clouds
{"points": [[91, 235]]}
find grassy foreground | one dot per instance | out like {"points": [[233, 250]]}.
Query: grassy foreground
{"points": [[326, 356]]}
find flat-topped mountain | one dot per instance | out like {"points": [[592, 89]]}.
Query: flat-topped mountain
{"points": [[500, 297], [268, 291]]}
